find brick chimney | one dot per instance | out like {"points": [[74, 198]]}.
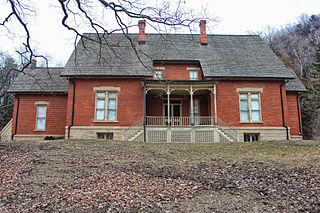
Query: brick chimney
{"points": [[203, 34], [142, 34], [33, 64]]}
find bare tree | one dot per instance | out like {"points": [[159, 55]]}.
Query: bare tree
{"points": [[297, 44], [104, 18], [7, 77]]}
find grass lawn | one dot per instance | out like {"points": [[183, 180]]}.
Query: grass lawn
{"points": [[100, 176]]}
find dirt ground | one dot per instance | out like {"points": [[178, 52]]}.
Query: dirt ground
{"points": [[100, 176]]}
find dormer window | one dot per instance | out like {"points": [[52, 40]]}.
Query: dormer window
{"points": [[157, 75], [193, 75]]}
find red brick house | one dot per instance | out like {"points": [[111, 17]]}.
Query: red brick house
{"points": [[168, 87]]}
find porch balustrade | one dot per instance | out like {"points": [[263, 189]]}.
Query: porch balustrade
{"points": [[179, 121]]}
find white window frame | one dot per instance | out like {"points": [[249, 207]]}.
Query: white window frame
{"points": [[38, 105], [106, 98], [193, 75], [249, 92]]}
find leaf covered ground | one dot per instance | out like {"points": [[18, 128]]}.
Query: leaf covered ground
{"points": [[99, 176]]}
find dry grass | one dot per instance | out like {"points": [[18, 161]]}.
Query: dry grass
{"points": [[250, 177]]}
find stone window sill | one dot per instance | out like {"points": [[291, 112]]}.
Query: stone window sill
{"points": [[251, 122], [102, 121]]}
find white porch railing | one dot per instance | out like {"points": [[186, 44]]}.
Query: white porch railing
{"points": [[179, 121]]}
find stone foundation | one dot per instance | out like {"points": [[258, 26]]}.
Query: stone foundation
{"points": [[265, 133], [119, 133], [90, 132]]}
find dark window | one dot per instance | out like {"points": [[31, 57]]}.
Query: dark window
{"points": [[109, 136], [251, 137], [246, 137], [106, 136]]}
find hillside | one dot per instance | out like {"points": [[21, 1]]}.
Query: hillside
{"points": [[97, 176]]}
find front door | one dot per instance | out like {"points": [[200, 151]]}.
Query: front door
{"points": [[175, 112]]}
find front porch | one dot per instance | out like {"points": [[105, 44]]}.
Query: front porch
{"points": [[180, 111], [176, 103]]}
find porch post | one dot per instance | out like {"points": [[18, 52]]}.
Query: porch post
{"points": [[191, 106], [168, 94], [215, 105]]}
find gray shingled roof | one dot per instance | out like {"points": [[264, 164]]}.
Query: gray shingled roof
{"points": [[44, 80], [295, 85], [225, 56]]}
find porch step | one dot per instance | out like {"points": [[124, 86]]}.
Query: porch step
{"points": [[5, 133], [225, 136], [135, 137]]}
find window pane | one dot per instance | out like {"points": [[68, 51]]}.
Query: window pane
{"points": [[112, 94], [254, 95], [255, 137], [100, 103], [158, 75], [42, 111], [101, 94], [244, 115], [244, 105], [112, 115], [255, 105], [112, 104], [255, 115], [100, 136], [109, 136], [100, 114], [246, 138], [41, 123], [243, 95], [193, 75]]}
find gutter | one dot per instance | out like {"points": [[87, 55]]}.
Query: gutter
{"points": [[282, 109], [144, 112], [17, 116], [299, 114], [73, 99]]}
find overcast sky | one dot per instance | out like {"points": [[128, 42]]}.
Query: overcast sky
{"points": [[235, 17]]}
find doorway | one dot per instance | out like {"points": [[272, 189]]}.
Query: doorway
{"points": [[175, 111]]}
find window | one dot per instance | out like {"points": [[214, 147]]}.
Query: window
{"points": [[41, 117], [193, 75], [251, 137], [157, 75], [106, 106], [250, 107], [105, 136]]}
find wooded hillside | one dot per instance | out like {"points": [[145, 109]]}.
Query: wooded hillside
{"points": [[298, 46]]}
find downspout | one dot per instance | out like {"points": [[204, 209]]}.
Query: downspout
{"points": [[282, 109], [16, 123], [144, 112], [299, 114], [72, 114]]}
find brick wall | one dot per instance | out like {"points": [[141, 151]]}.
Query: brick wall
{"points": [[228, 102], [130, 101], [55, 117], [292, 120], [178, 71]]}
